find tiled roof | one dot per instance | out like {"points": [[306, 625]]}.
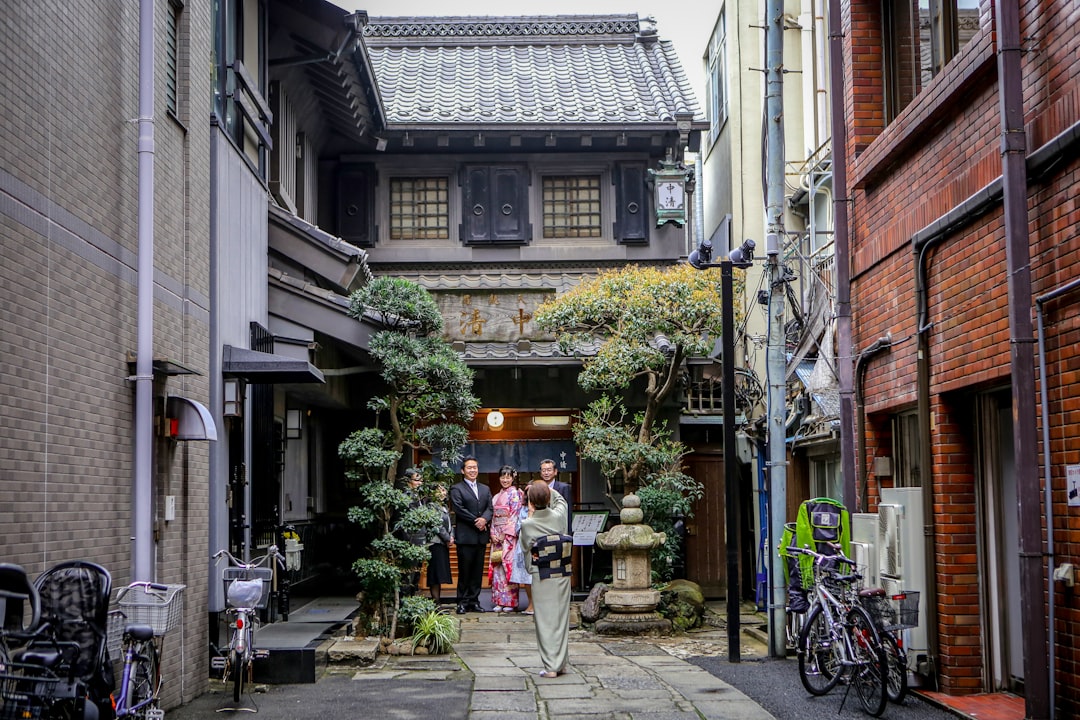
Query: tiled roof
{"points": [[576, 69]]}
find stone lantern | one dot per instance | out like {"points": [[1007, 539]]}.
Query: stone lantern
{"points": [[631, 599]]}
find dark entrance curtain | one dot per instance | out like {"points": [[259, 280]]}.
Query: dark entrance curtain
{"points": [[525, 455]]}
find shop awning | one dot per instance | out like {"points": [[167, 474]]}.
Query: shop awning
{"points": [[267, 368]]}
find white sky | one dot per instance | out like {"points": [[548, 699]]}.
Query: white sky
{"points": [[686, 24]]}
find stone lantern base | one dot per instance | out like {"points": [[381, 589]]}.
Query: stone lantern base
{"points": [[646, 623]]}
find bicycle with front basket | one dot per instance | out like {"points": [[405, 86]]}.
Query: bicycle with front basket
{"points": [[146, 612], [840, 638], [247, 589]]}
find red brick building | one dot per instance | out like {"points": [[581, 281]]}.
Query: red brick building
{"points": [[974, 356]]}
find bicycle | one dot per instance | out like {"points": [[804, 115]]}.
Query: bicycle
{"points": [[839, 637], [146, 612], [247, 589]]}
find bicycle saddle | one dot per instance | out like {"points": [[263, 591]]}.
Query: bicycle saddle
{"points": [[139, 632]]}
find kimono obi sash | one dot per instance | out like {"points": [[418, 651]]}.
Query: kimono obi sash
{"points": [[551, 555], [501, 516]]}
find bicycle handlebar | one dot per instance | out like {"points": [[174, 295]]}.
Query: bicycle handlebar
{"points": [[271, 552], [820, 558]]}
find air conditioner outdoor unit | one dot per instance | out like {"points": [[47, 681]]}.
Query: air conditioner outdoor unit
{"points": [[901, 520], [890, 554], [860, 553], [864, 528]]}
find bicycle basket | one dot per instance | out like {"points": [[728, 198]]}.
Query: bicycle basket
{"points": [[908, 609], [881, 611], [25, 691], [158, 608], [242, 586], [894, 613]]}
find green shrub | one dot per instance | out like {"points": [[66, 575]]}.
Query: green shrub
{"points": [[414, 608], [436, 631]]}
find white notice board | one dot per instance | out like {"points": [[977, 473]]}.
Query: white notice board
{"points": [[587, 525], [1072, 484]]}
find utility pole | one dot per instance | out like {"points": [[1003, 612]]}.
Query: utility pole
{"points": [[776, 358]]}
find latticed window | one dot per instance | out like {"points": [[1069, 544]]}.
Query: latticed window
{"points": [[572, 206], [420, 208]]}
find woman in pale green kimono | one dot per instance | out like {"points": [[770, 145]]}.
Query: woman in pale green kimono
{"points": [[547, 550]]}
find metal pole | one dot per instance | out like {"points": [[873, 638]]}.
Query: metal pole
{"points": [[849, 472], [731, 481], [142, 494], [776, 364]]}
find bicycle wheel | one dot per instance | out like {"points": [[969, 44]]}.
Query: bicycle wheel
{"points": [[819, 665], [145, 677], [239, 669], [897, 686], [870, 666]]}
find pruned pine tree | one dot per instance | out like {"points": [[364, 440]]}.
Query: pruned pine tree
{"points": [[426, 407]]}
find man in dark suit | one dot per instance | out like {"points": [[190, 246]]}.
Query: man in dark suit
{"points": [[471, 503], [549, 473]]}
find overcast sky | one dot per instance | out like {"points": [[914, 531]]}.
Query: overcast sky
{"points": [[688, 28]]}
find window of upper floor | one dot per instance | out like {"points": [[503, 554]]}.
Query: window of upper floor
{"points": [[419, 208], [494, 204], [716, 74], [240, 87], [572, 206], [906, 455], [920, 38], [174, 20]]}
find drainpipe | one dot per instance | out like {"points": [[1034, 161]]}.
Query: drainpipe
{"points": [[921, 246], [218, 524], [1021, 355], [880, 345], [841, 249], [1048, 509], [142, 495]]}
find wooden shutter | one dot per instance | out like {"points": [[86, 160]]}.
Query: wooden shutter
{"points": [[495, 205], [631, 204], [356, 204]]}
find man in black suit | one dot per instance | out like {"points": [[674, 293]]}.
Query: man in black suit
{"points": [[471, 503], [549, 473]]}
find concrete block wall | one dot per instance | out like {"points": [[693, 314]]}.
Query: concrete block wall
{"points": [[69, 246]]}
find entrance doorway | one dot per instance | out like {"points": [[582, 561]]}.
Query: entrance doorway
{"points": [[999, 540]]}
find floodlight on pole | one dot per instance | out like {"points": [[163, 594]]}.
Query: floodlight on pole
{"points": [[741, 257]]}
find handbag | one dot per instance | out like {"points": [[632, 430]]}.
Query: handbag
{"points": [[496, 556]]}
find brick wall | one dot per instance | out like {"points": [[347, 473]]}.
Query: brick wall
{"points": [[69, 244], [942, 149]]}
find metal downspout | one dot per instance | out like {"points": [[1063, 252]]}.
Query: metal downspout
{"points": [[218, 522], [1048, 509], [842, 252], [926, 475], [880, 345], [142, 495], [1021, 355]]}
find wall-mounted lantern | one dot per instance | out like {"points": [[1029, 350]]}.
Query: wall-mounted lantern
{"points": [[294, 423], [232, 391]]}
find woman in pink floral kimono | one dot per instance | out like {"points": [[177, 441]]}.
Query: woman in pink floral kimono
{"points": [[504, 537]]}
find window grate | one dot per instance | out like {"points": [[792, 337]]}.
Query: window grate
{"points": [[572, 206], [420, 208]]}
